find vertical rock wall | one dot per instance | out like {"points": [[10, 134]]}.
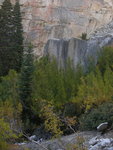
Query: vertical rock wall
{"points": [[45, 19]]}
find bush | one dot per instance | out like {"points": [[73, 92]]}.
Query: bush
{"points": [[5, 134], [84, 36], [52, 83], [10, 107], [11, 115], [95, 89], [51, 120], [106, 59], [91, 119], [9, 87]]}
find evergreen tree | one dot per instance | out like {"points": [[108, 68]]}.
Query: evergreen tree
{"points": [[18, 36], [26, 83], [6, 37], [11, 41]]}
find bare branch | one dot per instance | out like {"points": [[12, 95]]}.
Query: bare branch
{"points": [[26, 136]]}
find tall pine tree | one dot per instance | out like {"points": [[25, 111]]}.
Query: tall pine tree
{"points": [[26, 84], [11, 40], [18, 36], [6, 37]]}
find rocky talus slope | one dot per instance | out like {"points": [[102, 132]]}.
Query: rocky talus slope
{"points": [[46, 19], [92, 140]]}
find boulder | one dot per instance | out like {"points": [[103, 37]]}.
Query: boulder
{"points": [[33, 137], [93, 141], [100, 144]]}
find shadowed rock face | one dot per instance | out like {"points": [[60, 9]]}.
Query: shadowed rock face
{"points": [[46, 19], [64, 49], [78, 51]]}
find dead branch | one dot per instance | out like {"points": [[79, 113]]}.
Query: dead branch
{"points": [[26, 136]]}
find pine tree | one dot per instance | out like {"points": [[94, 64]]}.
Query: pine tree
{"points": [[26, 83], [18, 36], [6, 37], [11, 40]]}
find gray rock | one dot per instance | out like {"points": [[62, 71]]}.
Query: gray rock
{"points": [[33, 137], [101, 144], [41, 134], [105, 142], [64, 49], [111, 148], [95, 147], [77, 50], [102, 126], [93, 141]]}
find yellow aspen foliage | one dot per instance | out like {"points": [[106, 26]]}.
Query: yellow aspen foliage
{"points": [[9, 121], [5, 134], [52, 121], [71, 121], [95, 89], [10, 114]]}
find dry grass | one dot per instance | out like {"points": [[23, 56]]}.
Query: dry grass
{"points": [[16, 147]]}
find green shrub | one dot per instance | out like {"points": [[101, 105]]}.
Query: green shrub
{"points": [[95, 89], [52, 83], [9, 87], [105, 59], [51, 120], [6, 134], [91, 119], [84, 36], [10, 107]]}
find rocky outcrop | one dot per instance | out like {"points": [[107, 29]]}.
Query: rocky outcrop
{"points": [[101, 144], [64, 49], [77, 50], [46, 19]]}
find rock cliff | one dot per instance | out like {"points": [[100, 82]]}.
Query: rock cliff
{"points": [[78, 51], [45, 19], [64, 49]]}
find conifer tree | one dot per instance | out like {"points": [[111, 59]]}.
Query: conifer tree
{"points": [[18, 36], [11, 40], [26, 83], [6, 37]]}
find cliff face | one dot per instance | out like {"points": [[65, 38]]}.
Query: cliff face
{"points": [[45, 19], [77, 50], [64, 49]]}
